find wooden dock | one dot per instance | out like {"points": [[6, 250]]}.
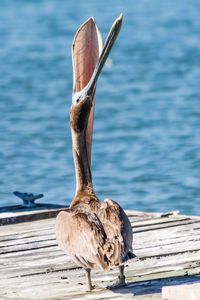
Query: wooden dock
{"points": [[33, 267]]}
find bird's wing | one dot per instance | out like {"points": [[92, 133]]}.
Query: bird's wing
{"points": [[118, 231], [81, 236]]}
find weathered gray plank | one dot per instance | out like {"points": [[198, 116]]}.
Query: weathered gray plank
{"points": [[169, 225], [158, 221], [182, 292], [18, 214]]}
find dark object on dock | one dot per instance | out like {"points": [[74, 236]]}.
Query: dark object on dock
{"points": [[28, 199], [28, 211]]}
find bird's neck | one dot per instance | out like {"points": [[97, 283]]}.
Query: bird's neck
{"points": [[81, 162]]}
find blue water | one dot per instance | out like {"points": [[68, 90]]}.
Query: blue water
{"points": [[146, 150]]}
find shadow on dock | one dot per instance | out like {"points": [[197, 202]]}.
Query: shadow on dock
{"points": [[148, 287]]}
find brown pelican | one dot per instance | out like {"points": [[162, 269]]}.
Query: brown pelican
{"points": [[92, 233]]}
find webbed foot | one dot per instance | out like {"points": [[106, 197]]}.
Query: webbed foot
{"points": [[120, 281], [118, 284]]}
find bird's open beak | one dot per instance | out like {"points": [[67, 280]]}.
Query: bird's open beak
{"points": [[88, 55]]}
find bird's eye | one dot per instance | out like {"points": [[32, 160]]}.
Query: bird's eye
{"points": [[77, 101]]}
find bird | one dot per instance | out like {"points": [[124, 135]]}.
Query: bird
{"points": [[92, 233]]}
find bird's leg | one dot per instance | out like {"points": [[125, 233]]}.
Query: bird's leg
{"points": [[120, 281], [121, 277], [88, 278]]}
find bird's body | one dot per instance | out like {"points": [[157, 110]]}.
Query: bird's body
{"points": [[92, 233], [95, 234]]}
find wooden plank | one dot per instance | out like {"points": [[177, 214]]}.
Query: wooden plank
{"points": [[181, 292], [26, 240], [25, 228], [157, 221], [163, 225], [18, 214]]}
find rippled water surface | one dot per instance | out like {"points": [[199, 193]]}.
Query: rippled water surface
{"points": [[146, 150]]}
